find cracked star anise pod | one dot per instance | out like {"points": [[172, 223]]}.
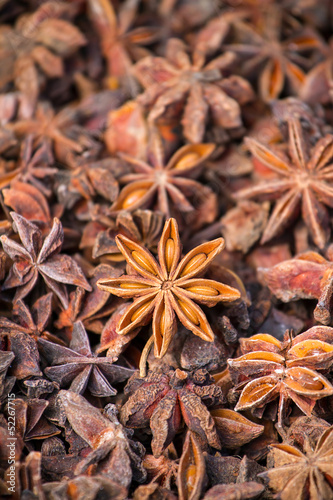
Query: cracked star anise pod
{"points": [[195, 86], [169, 184], [37, 257], [301, 475], [303, 182], [163, 469], [168, 288], [121, 44], [115, 455], [306, 276], [269, 369], [32, 51], [78, 366], [165, 399], [192, 469]]}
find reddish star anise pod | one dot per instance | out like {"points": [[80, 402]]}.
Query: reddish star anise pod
{"points": [[169, 183], [37, 257], [164, 399], [304, 181], [195, 85], [168, 288], [306, 276], [270, 369], [299, 475]]}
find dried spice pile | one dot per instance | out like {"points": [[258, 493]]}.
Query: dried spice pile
{"points": [[166, 261]]}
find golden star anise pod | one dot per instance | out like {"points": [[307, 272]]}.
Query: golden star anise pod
{"points": [[307, 475], [168, 288], [269, 369], [305, 182], [169, 183]]}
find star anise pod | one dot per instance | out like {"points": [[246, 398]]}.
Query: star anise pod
{"points": [[121, 44], [49, 127], [317, 86], [36, 257], [192, 469], [196, 86], [168, 288], [163, 469], [78, 366], [304, 182], [270, 369], [116, 456], [33, 50], [166, 398], [299, 475], [270, 55], [306, 276], [142, 226], [170, 183]]}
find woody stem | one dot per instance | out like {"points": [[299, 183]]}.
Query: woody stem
{"points": [[144, 356]]}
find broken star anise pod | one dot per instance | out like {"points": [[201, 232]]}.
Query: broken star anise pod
{"points": [[306, 276], [269, 369], [37, 257], [165, 399], [168, 288], [302, 475], [304, 181], [115, 455], [78, 366], [169, 184]]}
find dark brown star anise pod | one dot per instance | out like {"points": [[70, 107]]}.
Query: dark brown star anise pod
{"points": [[165, 399], [302, 475], [78, 366], [163, 469], [37, 257], [30, 422], [169, 184], [307, 276], [115, 455], [304, 182], [270, 369], [168, 288], [195, 85]]}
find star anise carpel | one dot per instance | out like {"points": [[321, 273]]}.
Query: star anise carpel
{"points": [[288, 370], [304, 182], [168, 288]]}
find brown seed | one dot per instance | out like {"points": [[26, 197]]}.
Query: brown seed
{"points": [[133, 286], [187, 161], [143, 261], [189, 312], [191, 474], [169, 253], [133, 198], [194, 263], [208, 291], [139, 311]]}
